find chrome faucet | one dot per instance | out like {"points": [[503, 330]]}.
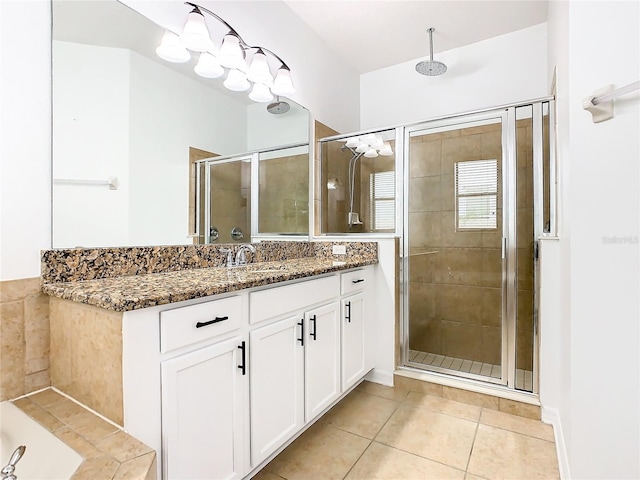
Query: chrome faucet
{"points": [[7, 473], [241, 258]]}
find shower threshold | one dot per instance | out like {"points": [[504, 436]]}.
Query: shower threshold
{"points": [[524, 378]]}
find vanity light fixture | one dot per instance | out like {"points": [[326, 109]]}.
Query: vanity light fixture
{"points": [[230, 57]]}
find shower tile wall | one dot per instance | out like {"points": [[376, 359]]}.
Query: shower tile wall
{"points": [[455, 280], [284, 195], [455, 277], [230, 202]]}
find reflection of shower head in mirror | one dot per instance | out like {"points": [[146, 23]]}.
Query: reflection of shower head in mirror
{"points": [[278, 107]]}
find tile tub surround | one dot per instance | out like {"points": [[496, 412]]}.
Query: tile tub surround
{"points": [[131, 292], [79, 264], [109, 453], [24, 338]]}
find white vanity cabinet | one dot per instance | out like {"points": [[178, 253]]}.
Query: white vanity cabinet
{"points": [[203, 412], [294, 361], [356, 297], [219, 385]]}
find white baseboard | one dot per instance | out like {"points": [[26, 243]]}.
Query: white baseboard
{"points": [[380, 376], [552, 416]]}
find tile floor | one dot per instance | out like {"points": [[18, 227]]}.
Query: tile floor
{"points": [[378, 432], [524, 378]]}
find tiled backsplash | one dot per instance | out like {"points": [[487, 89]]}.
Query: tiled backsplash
{"points": [[24, 338], [77, 264]]}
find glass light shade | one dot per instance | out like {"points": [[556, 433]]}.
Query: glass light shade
{"points": [[377, 142], [386, 149], [371, 153], [171, 50], [208, 66], [259, 69], [260, 93], [362, 147], [231, 54], [282, 85], [352, 142], [195, 35], [236, 81]]}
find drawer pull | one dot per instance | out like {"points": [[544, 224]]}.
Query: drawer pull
{"points": [[301, 339], [243, 366], [215, 320], [348, 315], [357, 281], [315, 327]]}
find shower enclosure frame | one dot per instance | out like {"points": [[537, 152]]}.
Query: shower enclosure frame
{"points": [[507, 114]]}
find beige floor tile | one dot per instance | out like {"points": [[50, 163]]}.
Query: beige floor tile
{"points": [[444, 405], [470, 476], [382, 462], [417, 385], [322, 452], [361, 413], [122, 447], [501, 454], [515, 423], [432, 435], [396, 394], [264, 475]]}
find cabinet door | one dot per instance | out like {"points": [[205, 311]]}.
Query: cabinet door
{"points": [[277, 385], [322, 359], [353, 339], [203, 412]]}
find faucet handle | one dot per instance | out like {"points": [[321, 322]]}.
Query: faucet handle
{"points": [[229, 252]]}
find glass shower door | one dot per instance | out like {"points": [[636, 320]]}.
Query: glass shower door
{"points": [[454, 236]]}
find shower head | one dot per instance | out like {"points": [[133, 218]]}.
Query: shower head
{"points": [[278, 107], [430, 67]]}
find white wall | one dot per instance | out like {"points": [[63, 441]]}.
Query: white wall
{"points": [[504, 69], [91, 142], [25, 136], [599, 401], [170, 113], [325, 84], [265, 129]]}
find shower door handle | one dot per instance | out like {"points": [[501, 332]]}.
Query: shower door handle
{"points": [[504, 247]]}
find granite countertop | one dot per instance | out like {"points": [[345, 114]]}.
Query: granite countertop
{"points": [[125, 293]]}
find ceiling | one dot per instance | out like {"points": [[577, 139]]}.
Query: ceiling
{"points": [[371, 35]]}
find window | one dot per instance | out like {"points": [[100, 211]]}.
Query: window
{"points": [[476, 194], [382, 188]]}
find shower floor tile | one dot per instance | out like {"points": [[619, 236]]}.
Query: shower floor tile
{"points": [[524, 378]]}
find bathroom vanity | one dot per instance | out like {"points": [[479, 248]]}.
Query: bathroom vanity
{"points": [[220, 382]]}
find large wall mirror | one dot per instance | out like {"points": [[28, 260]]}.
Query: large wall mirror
{"points": [[130, 129]]}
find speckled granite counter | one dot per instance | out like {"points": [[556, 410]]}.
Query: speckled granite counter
{"points": [[131, 292]]}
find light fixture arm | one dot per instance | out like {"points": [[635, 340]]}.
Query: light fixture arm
{"points": [[233, 31]]}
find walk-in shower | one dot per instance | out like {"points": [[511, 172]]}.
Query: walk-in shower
{"points": [[476, 191]]}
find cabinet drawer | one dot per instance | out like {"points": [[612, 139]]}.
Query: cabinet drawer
{"points": [[280, 300], [186, 325], [354, 281]]}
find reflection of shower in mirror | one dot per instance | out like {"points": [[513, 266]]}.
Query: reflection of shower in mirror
{"points": [[369, 146]]}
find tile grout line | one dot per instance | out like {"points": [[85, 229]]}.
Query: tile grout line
{"points": [[357, 459], [473, 444]]}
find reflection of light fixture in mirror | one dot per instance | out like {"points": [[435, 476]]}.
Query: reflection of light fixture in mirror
{"points": [[332, 184], [236, 81], [371, 145], [195, 36], [171, 49], [208, 66], [260, 93]]}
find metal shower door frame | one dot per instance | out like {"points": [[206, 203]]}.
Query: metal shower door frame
{"points": [[509, 254]]}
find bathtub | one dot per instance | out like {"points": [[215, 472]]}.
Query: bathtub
{"points": [[46, 457]]}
